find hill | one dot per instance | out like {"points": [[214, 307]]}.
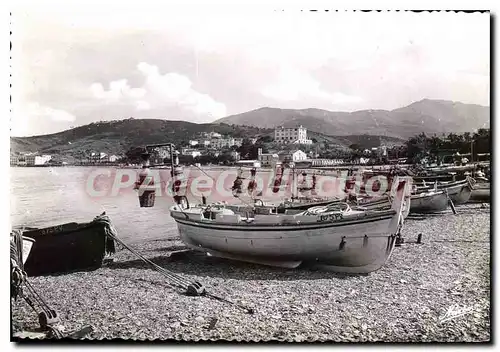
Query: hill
{"points": [[364, 141], [116, 137], [367, 128], [428, 116]]}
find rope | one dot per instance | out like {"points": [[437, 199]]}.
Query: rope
{"points": [[43, 305], [177, 281], [16, 246], [18, 275], [222, 299]]}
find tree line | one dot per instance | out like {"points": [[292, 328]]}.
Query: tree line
{"points": [[416, 149], [435, 149]]}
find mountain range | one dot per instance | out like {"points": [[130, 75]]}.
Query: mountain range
{"points": [[366, 127], [428, 116]]}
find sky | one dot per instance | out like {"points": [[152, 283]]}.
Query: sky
{"points": [[73, 65]]}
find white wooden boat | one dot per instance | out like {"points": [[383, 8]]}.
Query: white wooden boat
{"points": [[335, 237], [429, 202], [458, 191]]}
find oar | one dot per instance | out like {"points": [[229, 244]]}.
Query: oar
{"points": [[451, 202]]}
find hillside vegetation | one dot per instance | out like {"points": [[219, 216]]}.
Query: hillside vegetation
{"points": [[116, 137], [428, 116]]}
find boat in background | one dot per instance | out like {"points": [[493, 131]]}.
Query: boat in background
{"points": [[334, 237], [429, 202], [69, 247], [480, 192], [458, 191]]}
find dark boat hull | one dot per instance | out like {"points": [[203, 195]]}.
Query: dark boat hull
{"points": [[67, 248], [480, 193]]}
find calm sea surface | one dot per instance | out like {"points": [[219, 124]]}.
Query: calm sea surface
{"points": [[46, 196], [50, 196]]}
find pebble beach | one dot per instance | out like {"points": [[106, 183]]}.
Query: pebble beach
{"points": [[435, 291]]}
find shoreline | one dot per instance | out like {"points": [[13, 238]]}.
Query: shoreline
{"points": [[402, 302]]}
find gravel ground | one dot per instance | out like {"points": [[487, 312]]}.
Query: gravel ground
{"points": [[405, 301]]}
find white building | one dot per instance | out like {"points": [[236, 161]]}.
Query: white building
{"points": [[113, 158], [214, 135], [220, 143], [30, 160], [267, 159], [235, 155], [297, 135], [292, 155], [191, 152], [326, 162], [383, 150], [238, 142], [192, 143]]}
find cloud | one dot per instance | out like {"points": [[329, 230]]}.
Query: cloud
{"points": [[118, 90], [293, 85], [161, 91], [243, 60], [142, 105], [35, 110], [33, 118]]}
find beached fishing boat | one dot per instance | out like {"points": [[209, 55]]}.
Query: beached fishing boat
{"points": [[373, 203], [451, 168], [335, 236], [68, 247], [429, 202], [480, 192], [458, 191], [432, 178]]}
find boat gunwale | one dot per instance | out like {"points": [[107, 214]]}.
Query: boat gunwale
{"points": [[387, 214], [60, 230], [427, 195]]}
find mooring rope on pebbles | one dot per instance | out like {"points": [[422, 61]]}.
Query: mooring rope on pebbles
{"points": [[176, 281]]}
